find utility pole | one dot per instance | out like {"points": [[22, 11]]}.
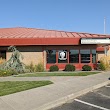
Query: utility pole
{"points": [[105, 47], [104, 25]]}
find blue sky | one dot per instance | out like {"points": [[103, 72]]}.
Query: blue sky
{"points": [[68, 15]]}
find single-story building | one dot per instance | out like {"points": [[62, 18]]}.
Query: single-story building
{"points": [[54, 47]]}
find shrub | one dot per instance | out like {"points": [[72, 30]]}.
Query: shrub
{"points": [[104, 63], [70, 67], [30, 68], [7, 72], [86, 68], [12, 72], [101, 66], [35, 68], [54, 68], [39, 67]]}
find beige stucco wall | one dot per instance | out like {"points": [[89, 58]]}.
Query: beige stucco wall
{"points": [[99, 55], [44, 53], [32, 54], [108, 52], [102, 54]]}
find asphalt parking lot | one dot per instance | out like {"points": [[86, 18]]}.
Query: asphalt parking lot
{"points": [[96, 100]]}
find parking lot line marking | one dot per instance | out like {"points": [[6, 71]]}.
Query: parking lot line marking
{"points": [[103, 95], [86, 103]]}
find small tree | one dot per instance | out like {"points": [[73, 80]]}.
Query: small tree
{"points": [[14, 62]]}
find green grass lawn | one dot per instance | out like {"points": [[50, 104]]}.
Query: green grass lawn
{"points": [[9, 87], [57, 74]]}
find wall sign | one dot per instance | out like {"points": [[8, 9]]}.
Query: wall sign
{"points": [[95, 41], [62, 55]]}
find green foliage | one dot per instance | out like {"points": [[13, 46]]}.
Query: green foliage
{"points": [[30, 68], [14, 62], [104, 63], [10, 72], [9, 87], [39, 67], [70, 67], [86, 68], [35, 68], [42, 74], [101, 66], [54, 68]]}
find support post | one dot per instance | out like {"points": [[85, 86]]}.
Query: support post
{"points": [[105, 50]]}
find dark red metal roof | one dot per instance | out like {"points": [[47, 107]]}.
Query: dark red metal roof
{"points": [[33, 36], [101, 49]]}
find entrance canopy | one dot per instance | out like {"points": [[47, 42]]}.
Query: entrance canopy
{"points": [[103, 42], [95, 41]]}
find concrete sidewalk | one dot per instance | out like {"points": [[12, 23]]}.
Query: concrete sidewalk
{"points": [[54, 79], [44, 98]]}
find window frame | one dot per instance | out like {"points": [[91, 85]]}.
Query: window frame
{"points": [[74, 54], [47, 57], [94, 54], [85, 56]]}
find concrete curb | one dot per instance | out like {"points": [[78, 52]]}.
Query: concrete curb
{"points": [[63, 100]]}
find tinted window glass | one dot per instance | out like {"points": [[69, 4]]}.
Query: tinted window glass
{"points": [[74, 56], [51, 56], [85, 56], [3, 54]]}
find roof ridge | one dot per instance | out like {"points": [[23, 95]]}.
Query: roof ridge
{"points": [[58, 31], [65, 31]]}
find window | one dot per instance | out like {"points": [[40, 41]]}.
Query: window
{"points": [[93, 56], [85, 56], [3, 54], [62, 56], [51, 56], [74, 56]]}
